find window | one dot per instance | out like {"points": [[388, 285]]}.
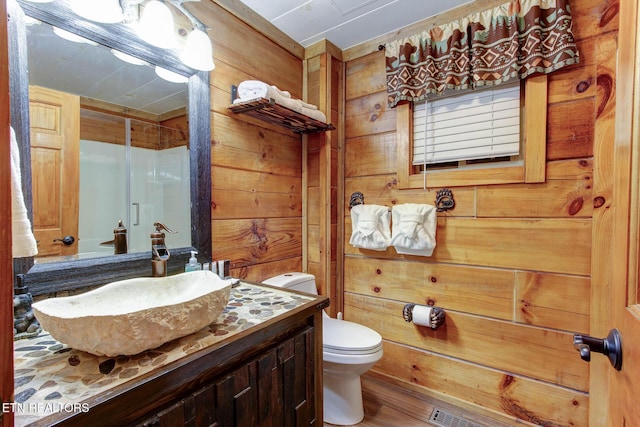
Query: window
{"points": [[491, 136], [473, 125]]}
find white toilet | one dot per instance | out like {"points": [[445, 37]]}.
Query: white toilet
{"points": [[348, 351]]}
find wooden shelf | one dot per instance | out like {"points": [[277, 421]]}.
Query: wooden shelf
{"points": [[268, 111]]}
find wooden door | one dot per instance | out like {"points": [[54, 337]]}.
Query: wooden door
{"points": [[54, 119], [624, 385]]}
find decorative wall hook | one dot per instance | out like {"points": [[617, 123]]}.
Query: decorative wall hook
{"points": [[357, 198], [444, 200]]}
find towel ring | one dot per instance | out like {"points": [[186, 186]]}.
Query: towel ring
{"points": [[357, 198]]}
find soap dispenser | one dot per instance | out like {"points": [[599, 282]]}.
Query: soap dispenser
{"points": [[193, 264]]}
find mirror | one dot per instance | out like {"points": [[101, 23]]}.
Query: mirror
{"points": [[68, 275], [124, 158]]}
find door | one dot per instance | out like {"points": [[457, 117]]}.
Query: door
{"points": [[624, 385], [54, 119]]}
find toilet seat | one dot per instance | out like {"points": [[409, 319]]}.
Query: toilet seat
{"points": [[349, 338]]}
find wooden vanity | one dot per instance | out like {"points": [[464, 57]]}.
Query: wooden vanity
{"points": [[260, 364]]}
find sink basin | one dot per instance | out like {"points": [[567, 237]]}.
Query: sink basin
{"points": [[130, 316]]}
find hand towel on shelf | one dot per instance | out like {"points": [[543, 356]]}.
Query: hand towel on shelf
{"points": [[370, 227], [414, 229], [23, 242], [253, 89]]}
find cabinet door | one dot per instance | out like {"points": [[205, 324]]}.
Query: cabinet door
{"points": [[274, 389]]}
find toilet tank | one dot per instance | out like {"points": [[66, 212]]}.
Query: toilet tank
{"points": [[297, 281]]}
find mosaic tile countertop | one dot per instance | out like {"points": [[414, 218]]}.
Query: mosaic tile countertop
{"points": [[50, 377]]}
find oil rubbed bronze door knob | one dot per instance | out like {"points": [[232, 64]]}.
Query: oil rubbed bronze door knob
{"points": [[66, 240], [611, 346]]}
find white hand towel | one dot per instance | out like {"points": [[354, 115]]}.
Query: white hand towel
{"points": [[23, 242], [414, 229], [253, 89], [370, 227]]}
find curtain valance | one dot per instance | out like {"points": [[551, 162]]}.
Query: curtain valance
{"points": [[513, 40]]}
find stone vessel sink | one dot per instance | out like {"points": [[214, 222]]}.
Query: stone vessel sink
{"points": [[130, 316]]}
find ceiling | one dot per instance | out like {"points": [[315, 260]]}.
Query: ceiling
{"points": [[92, 71], [346, 23]]}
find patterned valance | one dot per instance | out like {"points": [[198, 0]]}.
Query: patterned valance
{"points": [[513, 40]]}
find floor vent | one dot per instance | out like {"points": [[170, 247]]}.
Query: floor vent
{"points": [[445, 419]]}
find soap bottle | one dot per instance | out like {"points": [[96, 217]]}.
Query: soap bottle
{"points": [[193, 264]]}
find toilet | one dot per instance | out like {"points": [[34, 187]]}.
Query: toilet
{"points": [[348, 351]]}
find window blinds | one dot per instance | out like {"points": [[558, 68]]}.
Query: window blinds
{"points": [[473, 125]]}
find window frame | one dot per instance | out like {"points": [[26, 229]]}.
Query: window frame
{"points": [[531, 170]]}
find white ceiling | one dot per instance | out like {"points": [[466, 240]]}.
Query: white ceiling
{"points": [[346, 23]]}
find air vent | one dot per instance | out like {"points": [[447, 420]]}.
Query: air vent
{"points": [[446, 419]]}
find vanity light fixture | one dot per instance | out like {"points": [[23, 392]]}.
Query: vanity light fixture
{"points": [[197, 52], [156, 25], [105, 11], [170, 76], [153, 20]]}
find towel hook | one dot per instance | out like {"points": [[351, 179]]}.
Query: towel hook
{"points": [[357, 198], [444, 200]]}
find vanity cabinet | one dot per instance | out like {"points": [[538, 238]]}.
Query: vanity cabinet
{"points": [[276, 388], [260, 364]]}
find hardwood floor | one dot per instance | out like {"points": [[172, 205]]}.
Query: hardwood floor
{"points": [[388, 405]]}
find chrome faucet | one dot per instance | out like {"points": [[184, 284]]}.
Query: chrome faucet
{"points": [[159, 251]]}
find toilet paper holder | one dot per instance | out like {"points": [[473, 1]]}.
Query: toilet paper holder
{"points": [[436, 315]]}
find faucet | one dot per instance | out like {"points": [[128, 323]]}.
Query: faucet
{"points": [[159, 251]]}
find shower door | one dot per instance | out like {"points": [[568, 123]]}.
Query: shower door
{"points": [[135, 171]]}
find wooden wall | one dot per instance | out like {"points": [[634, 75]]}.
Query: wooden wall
{"points": [[514, 265], [256, 167], [6, 256]]}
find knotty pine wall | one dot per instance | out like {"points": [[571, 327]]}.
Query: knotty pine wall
{"points": [[513, 264], [256, 167]]}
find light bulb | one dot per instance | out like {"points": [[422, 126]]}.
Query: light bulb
{"points": [[106, 11], [156, 25], [72, 37], [197, 51], [128, 58], [170, 76]]}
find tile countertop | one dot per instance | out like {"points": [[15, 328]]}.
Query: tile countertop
{"points": [[50, 377]]}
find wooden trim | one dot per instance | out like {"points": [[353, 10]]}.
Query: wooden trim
{"points": [[323, 46], [6, 272], [535, 129], [531, 170]]}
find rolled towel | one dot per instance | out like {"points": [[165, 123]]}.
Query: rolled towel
{"points": [[309, 106], [251, 89], [314, 114], [414, 229], [370, 227], [23, 242]]}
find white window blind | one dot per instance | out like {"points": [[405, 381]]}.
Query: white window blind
{"points": [[473, 125]]}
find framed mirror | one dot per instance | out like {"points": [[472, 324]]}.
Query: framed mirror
{"points": [[72, 274]]}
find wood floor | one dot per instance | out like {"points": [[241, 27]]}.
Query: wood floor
{"points": [[387, 405]]}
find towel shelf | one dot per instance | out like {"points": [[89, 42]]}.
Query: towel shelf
{"points": [[268, 110]]}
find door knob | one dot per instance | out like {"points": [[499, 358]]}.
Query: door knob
{"points": [[66, 240], [611, 346]]}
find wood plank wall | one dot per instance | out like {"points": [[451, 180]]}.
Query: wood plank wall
{"points": [[513, 263], [256, 167]]}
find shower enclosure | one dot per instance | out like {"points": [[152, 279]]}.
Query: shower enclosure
{"points": [[134, 171]]}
